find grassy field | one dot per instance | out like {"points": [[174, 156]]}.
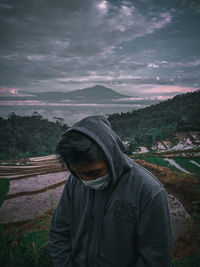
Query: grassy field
{"points": [[30, 249], [189, 166], [155, 160], [187, 262], [197, 160], [183, 162]]}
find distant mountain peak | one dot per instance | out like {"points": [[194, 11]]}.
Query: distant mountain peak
{"points": [[99, 85], [97, 93]]}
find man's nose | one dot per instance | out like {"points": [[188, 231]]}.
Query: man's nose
{"points": [[86, 178]]}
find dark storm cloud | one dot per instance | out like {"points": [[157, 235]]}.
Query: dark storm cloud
{"points": [[62, 45]]}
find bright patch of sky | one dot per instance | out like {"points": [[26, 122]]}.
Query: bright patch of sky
{"points": [[134, 47]]}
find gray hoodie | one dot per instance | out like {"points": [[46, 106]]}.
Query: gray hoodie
{"points": [[127, 224]]}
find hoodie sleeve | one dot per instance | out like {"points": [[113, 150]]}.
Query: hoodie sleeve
{"points": [[59, 233], [155, 234]]}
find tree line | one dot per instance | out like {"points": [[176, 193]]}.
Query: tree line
{"points": [[25, 136], [160, 121]]}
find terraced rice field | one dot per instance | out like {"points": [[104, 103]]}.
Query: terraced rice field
{"points": [[33, 190], [183, 164]]}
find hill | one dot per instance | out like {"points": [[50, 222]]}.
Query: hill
{"points": [[160, 121], [96, 93]]}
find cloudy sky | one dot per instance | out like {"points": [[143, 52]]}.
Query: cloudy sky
{"points": [[139, 48]]}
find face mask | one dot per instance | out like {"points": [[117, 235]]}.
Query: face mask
{"points": [[99, 183]]}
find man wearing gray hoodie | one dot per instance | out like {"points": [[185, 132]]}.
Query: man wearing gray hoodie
{"points": [[112, 212]]}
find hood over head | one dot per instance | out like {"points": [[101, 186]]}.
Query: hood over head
{"points": [[99, 130]]}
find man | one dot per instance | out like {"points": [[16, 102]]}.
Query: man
{"points": [[112, 212]]}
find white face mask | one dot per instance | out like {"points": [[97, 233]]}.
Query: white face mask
{"points": [[99, 183]]}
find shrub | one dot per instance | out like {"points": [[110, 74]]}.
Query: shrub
{"points": [[4, 188]]}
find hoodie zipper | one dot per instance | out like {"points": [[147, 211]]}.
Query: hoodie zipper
{"points": [[95, 236], [107, 195], [97, 227], [90, 227], [94, 229]]}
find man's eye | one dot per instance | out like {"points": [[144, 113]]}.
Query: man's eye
{"points": [[93, 174]]}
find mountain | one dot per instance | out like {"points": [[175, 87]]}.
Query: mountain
{"points": [[97, 93]]}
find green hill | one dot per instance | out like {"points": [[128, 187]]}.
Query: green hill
{"points": [[160, 121]]}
